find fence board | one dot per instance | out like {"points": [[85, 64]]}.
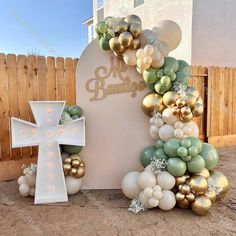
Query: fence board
{"points": [[51, 79], [61, 80]]}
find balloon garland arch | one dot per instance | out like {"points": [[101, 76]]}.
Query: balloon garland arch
{"points": [[178, 167]]}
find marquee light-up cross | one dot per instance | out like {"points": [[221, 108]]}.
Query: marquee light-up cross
{"points": [[48, 135]]}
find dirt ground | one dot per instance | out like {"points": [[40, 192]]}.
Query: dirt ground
{"points": [[104, 212]]}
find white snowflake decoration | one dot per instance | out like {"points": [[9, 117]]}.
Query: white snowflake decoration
{"points": [[180, 88], [213, 187], [136, 206], [65, 118], [30, 170], [158, 165]]}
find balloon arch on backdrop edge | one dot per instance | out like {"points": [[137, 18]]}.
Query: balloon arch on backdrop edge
{"points": [[178, 167]]}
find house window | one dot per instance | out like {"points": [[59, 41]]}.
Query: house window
{"points": [[138, 3], [100, 3], [91, 33]]}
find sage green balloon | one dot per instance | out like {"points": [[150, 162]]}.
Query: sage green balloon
{"points": [[182, 77], [107, 36], [184, 67], [70, 149], [159, 143], [165, 80], [171, 146], [150, 75], [160, 73], [150, 86], [168, 70], [104, 43], [171, 62], [172, 77], [147, 155], [182, 152], [196, 164], [161, 88], [192, 151], [196, 143], [75, 110], [176, 166], [102, 27], [210, 155], [186, 143], [186, 158], [160, 154]]}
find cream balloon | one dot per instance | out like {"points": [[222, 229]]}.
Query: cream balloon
{"points": [[144, 200], [129, 185], [146, 179], [32, 192], [168, 117], [154, 132], [178, 124], [153, 202], [191, 129], [165, 180], [30, 179], [166, 132], [21, 180], [73, 185], [24, 190], [178, 133], [158, 63], [148, 168], [148, 192], [130, 57], [168, 200], [170, 32]]}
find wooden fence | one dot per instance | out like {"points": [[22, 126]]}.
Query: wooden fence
{"points": [[38, 78]]}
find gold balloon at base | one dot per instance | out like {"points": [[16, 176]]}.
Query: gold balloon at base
{"points": [[133, 19], [152, 102], [183, 204], [125, 39], [169, 98], [193, 91], [221, 183], [135, 44], [198, 184], [201, 205], [204, 173], [211, 195]]}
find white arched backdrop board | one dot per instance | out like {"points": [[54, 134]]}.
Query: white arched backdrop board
{"points": [[116, 127]]}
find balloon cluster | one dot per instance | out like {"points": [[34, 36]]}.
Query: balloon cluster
{"points": [[73, 165]]}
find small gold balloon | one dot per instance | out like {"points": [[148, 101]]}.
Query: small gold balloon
{"points": [[180, 187], [80, 172], [183, 204], [181, 180], [180, 102], [200, 101], [190, 100], [67, 160], [75, 163], [179, 196], [152, 102], [185, 111], [198, 184], [198, 110], [125, 39], [192, 90], [186, 118], [185, 189], [135, 29], [201, 205], [123, 26], [115, 44], [175, 110], [204, 173], [133, 19], [211, 195], [190, 197], [169, 98], [73, 171], [67, 167], [135, 44], [82, 164], [221, 183]]}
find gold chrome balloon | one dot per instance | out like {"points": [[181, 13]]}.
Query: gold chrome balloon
{"points": [[123, 26], [190, 197], [133, 19], [186, 118], [135, 44], [185, 111], [204, 173], [135, 29], [181, 180], [179, 196], [185, 189], [211, 195], [198, 109], [183, 204], [198, 184], [180, 102], [192, 90], [175, 110], [169, 98], [115, 44], [221, 183], [190, 100], [125, 39], [201, 205], [152, 102], [67, 160]]}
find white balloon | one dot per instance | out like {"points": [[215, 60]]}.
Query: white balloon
{"points": [[178, 133], [156, 56], [170, 32], [178, 124], [148, 192], [153, 202], [159, 122], [73, 185], [147, 60], [129, 185], [140, 53], [165, 180], [144, 200], [30, 179], [157, 188], [166, 132], [146, 179], [157, 194], [168, 116], [168, 200], [148, 50], [21, 180], [164, 49], [153, 135], [152, 121], [148, 168], [24, 189], [158, 63], [154, 129], [130, 57], [191, 129], [32, 192]]}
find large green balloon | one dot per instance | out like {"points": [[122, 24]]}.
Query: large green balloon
{"points": [[171, 62], [160, 154], [182, 77], [102, 27], [196, 164], [159, 143], [70, 149], [150, 75], [196, 143], [210, 156], [176, 166], [75, 110], [161, 88], [184, 67], [104, 43], [171, 146], [147, 155]]}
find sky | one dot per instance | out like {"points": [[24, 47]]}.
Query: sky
{"points": [[47, 27]]}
